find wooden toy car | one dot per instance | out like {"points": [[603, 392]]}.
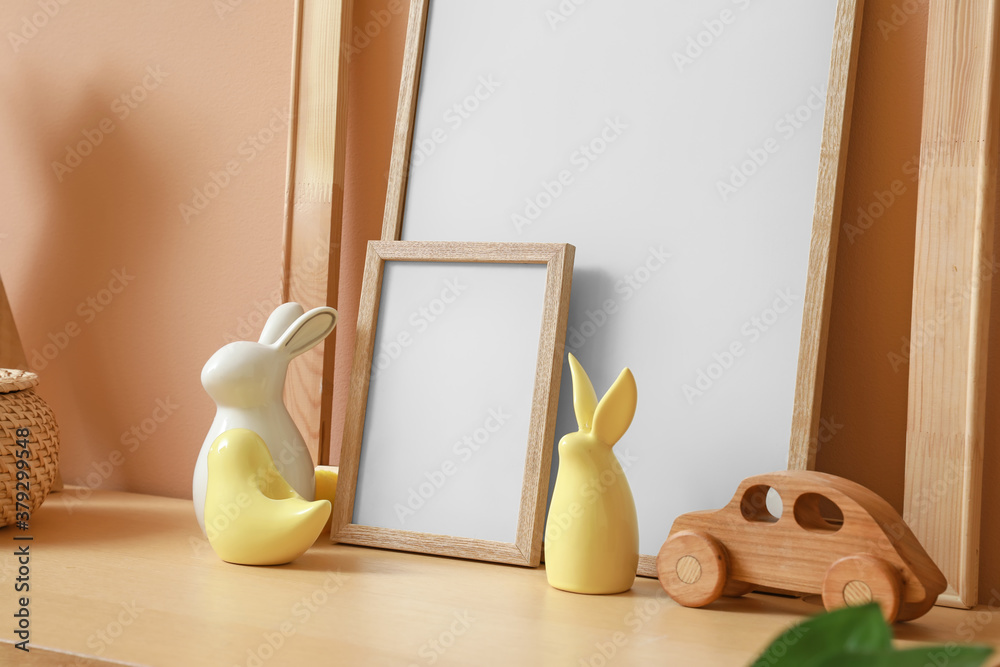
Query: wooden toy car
{"points": [[833, 537]]}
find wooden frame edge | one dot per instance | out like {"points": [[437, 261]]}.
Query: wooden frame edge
{"points": [[291, 148], [526, 548], [825, 231], [647, 566], [409, 87], [434, 545]]}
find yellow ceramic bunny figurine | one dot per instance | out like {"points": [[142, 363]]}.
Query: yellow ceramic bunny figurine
{"points": [[592, 535], [252, 515]]}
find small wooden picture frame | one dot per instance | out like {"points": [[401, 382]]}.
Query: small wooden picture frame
{"points": [[454, 390]]}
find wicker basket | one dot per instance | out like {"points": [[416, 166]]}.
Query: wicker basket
{"points": [[20, 408]]}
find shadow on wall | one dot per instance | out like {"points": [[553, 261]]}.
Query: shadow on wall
{"points": [[95, 187], [586, 342]]}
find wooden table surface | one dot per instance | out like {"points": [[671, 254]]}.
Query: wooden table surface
{"points": [[122, 578]]}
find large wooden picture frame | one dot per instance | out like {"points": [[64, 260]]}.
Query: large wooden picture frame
{"points": [[953, 271], [314, 201], [399, 429], [562, 70]]}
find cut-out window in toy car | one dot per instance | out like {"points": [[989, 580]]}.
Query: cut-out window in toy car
{"points": [[814, 511], [761, 503]]}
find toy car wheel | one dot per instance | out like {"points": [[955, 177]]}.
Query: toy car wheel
{"points": [[857, 580], [735, 589], [692, 568], [911, 610]]}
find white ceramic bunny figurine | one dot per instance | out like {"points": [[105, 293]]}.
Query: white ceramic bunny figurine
{"points": [[246, 380]]}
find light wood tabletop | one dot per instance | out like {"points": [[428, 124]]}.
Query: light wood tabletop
{"points": [[122, 578]]}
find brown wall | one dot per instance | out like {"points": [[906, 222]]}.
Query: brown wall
{"points": [[62, 240]]}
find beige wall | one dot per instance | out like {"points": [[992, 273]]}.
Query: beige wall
{"points": [[120, 297], [196, 282]]}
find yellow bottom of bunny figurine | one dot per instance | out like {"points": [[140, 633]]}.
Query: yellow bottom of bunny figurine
{"points": [[605, 569], [252, 515]]}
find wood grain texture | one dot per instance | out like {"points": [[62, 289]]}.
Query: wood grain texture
{"points": [[798, 550], [856, 580], [526, 549], [117, 551], [953, 269], [823, 243], [41, 657], [314, 202], [406, 110]]}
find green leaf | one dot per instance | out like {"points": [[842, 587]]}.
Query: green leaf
{"points": [[950, 655], [848, 630], [859, 637]]}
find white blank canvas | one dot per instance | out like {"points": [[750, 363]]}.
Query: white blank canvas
{"points": [[459, 388]]}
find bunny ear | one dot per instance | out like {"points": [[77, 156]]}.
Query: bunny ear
{"points": [[278, 322], [307, 331], [584, 396], [615, 411]]}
